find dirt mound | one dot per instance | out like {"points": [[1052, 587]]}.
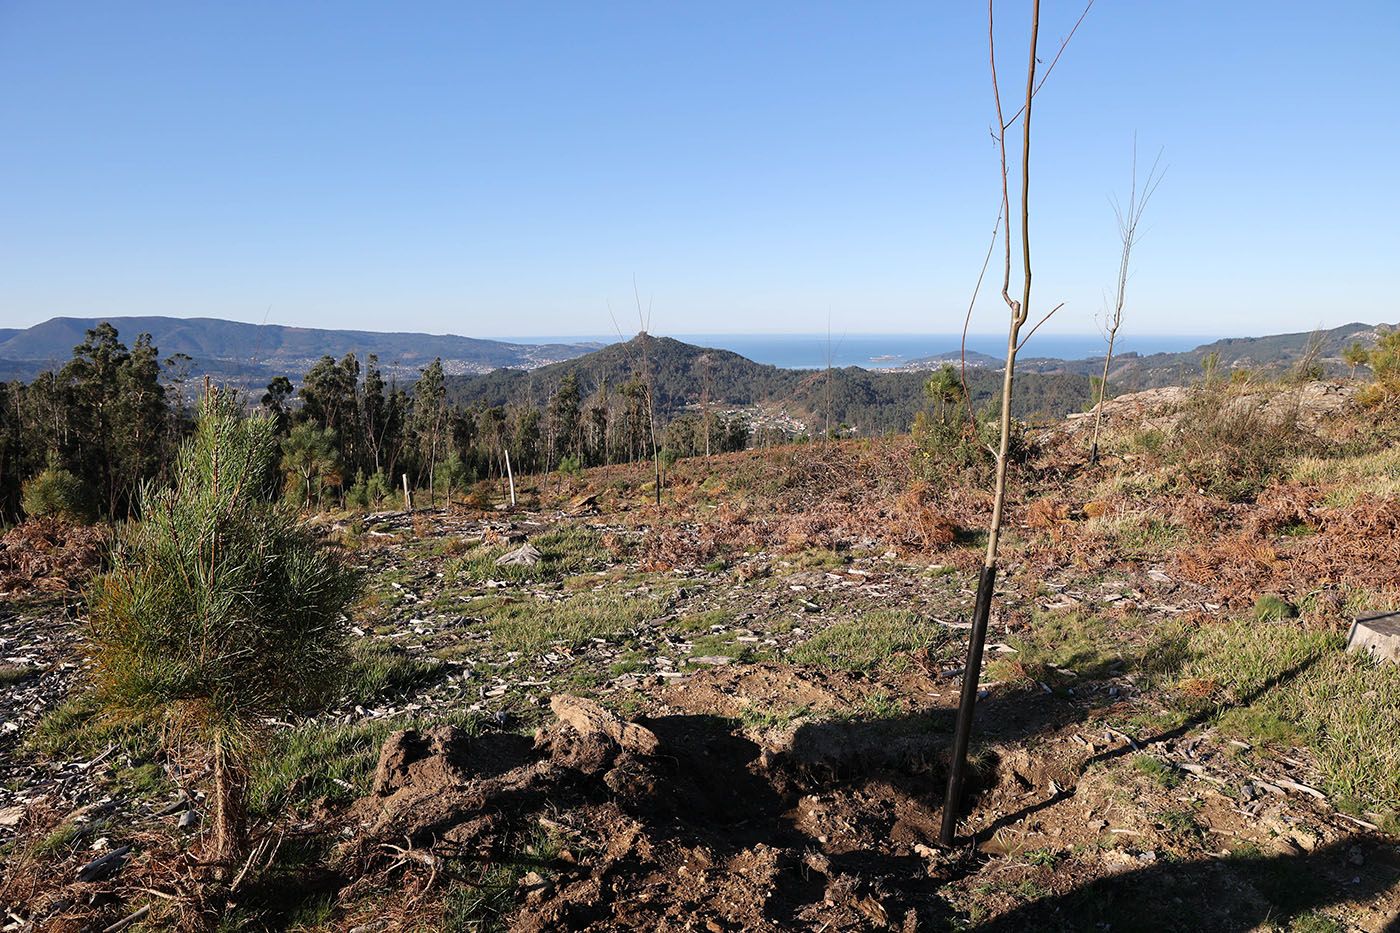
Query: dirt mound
{"points": [[762, 688], [673, 822]]}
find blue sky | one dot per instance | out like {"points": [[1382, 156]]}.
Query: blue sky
{"points": [[506, 168]]}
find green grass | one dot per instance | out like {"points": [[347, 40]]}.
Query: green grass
{"points": [[1157, 769], [481, 901], [310, 761], [76, 729], [62, 839], [629, 662], [1151, 536], [769, 717], [1315, 922], [1351, 477], [723, 644], [530, 624], [1282, 682], [1057, 643], [380, 671], [881, 638], [1180, 825], [146, 780], [703, 621]]}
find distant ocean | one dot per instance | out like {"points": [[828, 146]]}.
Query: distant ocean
{"points": [[881, 351]]}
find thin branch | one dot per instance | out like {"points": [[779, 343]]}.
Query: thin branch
{"points": [[1001, 150], [1053, 62], [1031, 334], [967, 320]]}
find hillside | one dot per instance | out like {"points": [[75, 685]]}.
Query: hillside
{"points": [[235, 349], [1131, 371], [737, 707], [870, 401]]}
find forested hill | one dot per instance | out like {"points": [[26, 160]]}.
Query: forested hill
{"points": [[684, 375], [235, 349], [1276, 353]]}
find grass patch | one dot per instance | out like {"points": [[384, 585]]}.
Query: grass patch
{"points": [[881, 638], [145, 780], [530, 624], [1270, 608], [1228, 446], [769, 717], [1350, 478], [819, 559], [1065, 646], [704, 621], [76, 729], [378, 671], [482, 901], [334, 761], [1281, 682], [62, 839], [1156, 769], [629, 662], [1180, 825]]}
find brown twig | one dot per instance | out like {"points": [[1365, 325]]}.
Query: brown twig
{"points": [[1053, 62], [1031, 333]]}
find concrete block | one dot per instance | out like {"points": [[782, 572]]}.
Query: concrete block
{"points": [[1378, 635]]}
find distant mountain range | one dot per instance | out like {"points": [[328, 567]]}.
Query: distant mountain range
{"points": [[874, 401], [496, 372], [1137, 371], [249, 352]]}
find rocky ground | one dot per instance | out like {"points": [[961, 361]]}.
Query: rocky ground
{"points": [[734, 714]]}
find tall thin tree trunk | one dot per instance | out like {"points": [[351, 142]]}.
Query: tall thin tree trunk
{"points": [[1020, 310]]}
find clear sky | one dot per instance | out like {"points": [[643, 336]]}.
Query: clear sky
{"points": [[506, 168]]}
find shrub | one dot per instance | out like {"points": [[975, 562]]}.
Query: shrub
{"points": [[570, 466], [1271, 608], [954, 448], [311, 461], [220, 611], [378, 488], [358, 496], [451, 474], [1384, 360], [57, 492], [1227, 445]]}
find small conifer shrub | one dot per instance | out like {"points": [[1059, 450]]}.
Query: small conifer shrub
{"points": [[220, 611], [56, 491]]}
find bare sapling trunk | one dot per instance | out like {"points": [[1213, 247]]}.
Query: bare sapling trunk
{"points": [[645, 322], [1020, 310], [1128, 235], [230, 810]]}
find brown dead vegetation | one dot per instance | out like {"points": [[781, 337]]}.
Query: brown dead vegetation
{"points": [[51, 555]]}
